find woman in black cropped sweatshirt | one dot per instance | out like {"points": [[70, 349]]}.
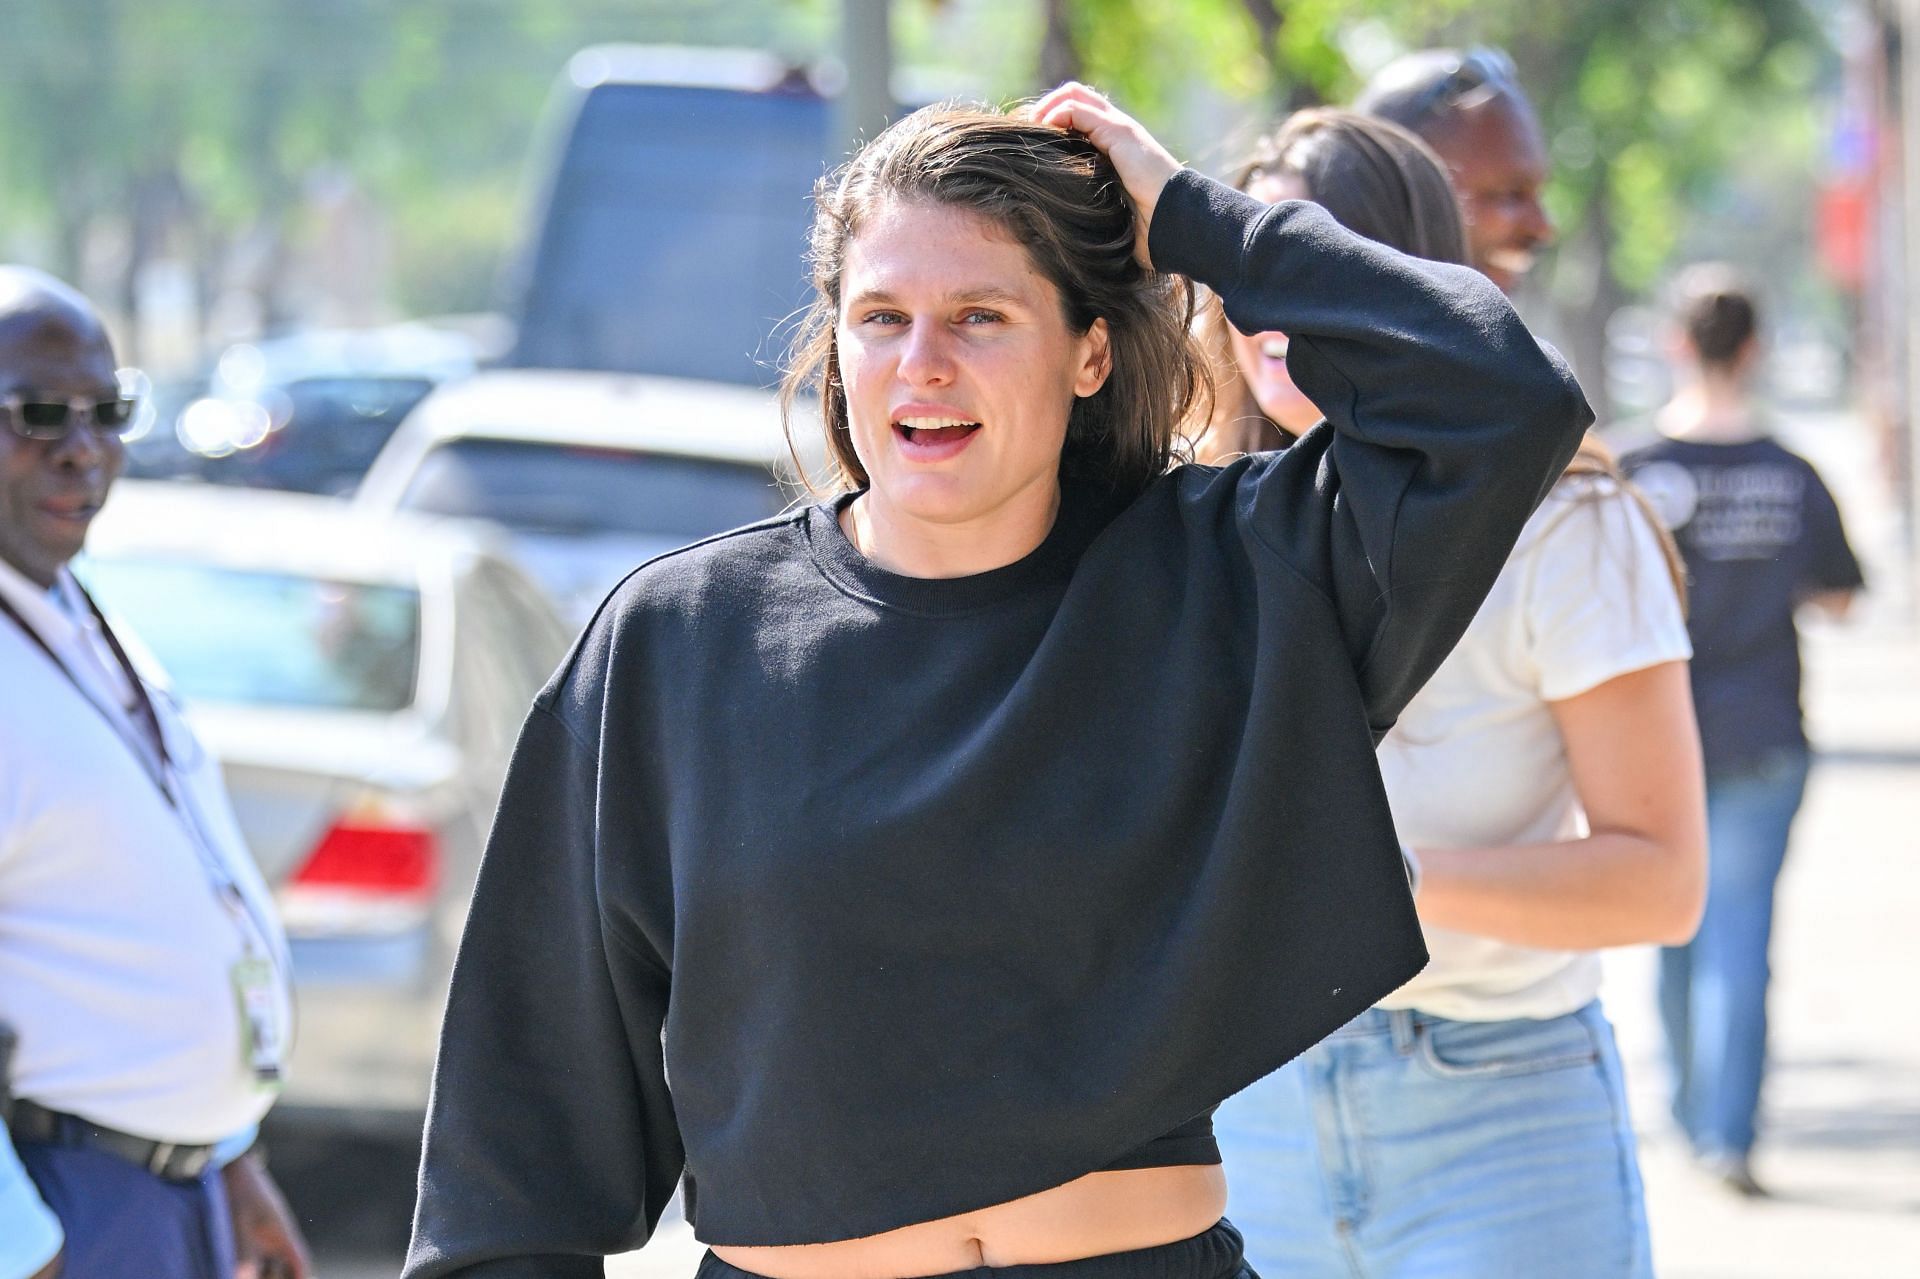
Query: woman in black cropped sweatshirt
{"points": [[892, 868]]}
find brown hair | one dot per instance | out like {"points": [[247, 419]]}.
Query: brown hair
{"points": [[1717, 312], [1376, 179], [1056, 195], [1594, 459]]}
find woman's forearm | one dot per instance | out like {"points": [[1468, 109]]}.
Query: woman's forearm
{"points": [[1609, 889]]}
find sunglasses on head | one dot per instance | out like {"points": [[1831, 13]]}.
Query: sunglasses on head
{"points": [[37, 419], [1479, 69]]}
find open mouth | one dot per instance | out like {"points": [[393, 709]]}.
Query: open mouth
{"points": [[1512, 261], [935, 436]]}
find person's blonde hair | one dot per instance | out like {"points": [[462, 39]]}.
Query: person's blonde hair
{"points": [[1056, 195], [1594, 459]]}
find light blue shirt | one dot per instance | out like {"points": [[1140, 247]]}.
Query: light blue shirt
{"points": [[29, 1232]]}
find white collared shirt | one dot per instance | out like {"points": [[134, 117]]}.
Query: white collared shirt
{"points": [[116, 950]]}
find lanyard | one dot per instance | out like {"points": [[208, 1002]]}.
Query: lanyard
{"points": [[149, 717], [167, 780]]}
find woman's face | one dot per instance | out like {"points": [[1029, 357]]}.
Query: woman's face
{"points": [[1262, 357], [959, 367]]}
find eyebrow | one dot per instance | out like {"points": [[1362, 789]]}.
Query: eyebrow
{"points": [[986, 294]]}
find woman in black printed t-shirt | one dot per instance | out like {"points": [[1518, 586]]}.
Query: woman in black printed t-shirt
{"points": [[895, 870], [1762, 537]]}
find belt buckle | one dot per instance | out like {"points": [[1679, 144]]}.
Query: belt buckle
{"points": [[174, 1162], [162, 1154]]}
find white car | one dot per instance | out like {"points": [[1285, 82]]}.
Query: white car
{"points": [[361, 682], [591, 473]]}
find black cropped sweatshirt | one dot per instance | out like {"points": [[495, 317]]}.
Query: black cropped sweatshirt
{"points": [[869, 899]]}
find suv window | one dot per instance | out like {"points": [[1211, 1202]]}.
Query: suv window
{"points": [[673, 235], [328, 431]]}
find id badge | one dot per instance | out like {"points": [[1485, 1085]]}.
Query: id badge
{"points": [[262, 1032]]}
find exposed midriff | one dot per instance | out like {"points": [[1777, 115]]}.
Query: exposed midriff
{"points": [[1100, 1213]]}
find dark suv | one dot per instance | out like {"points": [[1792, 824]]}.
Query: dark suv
{"points": [[670, 233]]}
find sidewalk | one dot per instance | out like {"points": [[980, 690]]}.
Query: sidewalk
{"points": [[1841, 1136]]}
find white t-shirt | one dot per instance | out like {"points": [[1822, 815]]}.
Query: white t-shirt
{"points": [[1476, 760]]}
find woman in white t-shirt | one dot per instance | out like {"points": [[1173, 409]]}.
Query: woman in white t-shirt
{"points": [[1548, 780]]}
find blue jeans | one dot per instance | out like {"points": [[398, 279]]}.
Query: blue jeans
{"points": [[1406, 1146], [1713, 990]]}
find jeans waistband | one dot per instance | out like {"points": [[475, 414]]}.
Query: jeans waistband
{"points": [[1402, 1025], [1397, 1023], [1217, 1253]]}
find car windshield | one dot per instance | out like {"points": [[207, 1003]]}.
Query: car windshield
{"points": [[267, 639], [533, 487]]}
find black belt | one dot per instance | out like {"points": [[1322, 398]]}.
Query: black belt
{"points": [[163, 1159]]}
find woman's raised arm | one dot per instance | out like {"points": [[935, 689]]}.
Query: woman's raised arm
{"points": [[1447, 421]]}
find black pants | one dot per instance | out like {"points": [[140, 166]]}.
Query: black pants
{"points": [[1213, 1254]]}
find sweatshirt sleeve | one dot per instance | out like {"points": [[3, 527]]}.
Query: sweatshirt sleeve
{"points": [[1446, 421], [550, 1139]]}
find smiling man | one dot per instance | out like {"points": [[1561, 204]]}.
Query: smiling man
{"points": [[1468, 106], [141, 969]]}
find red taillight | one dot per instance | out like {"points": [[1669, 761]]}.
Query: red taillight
{"points": [[360, 857]]}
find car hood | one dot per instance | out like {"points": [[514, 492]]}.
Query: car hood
{"points": [[292, 772]]}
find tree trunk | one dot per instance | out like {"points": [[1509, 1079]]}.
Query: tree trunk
{"points": [[1584, 319], [1059, 55], [74, 220]]}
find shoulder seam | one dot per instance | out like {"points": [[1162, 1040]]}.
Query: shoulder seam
{"points": [[795, 516], [1285, 561], [543, 705]]}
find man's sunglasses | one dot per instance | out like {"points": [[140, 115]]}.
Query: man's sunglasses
{"points": [[33, 419], [1478, 70]]}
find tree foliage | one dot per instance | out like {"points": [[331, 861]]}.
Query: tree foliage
{"points": [[1648, 105], [212, 116], [126, 117]]}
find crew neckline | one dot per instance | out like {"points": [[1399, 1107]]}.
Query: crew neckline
{"points": [[1765, 437], [1074, 526]]}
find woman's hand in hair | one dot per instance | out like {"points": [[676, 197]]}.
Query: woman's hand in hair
{"points": [[1143, 164]]}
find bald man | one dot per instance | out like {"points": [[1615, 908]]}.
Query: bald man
{"points": [[1470, 109], [142, 972]]}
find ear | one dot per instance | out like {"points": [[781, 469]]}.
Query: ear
{"points": [[1096, 360]]}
